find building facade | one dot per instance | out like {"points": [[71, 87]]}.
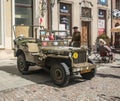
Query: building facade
{"points": [[93, 17], [115, 5]]}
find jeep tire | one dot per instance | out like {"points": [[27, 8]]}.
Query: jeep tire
{"points": [[60, 74], [89, 75], [22, 64]]}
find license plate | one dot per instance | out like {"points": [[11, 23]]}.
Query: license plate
{"points": [[85, 71]]}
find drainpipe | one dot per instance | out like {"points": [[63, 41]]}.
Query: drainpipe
{"points": [[111, 22], [51, 16]]}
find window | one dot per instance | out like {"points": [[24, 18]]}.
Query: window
{"points": [[23, 12], [65, 16], [118, 4], [86, 12], [103, 2], [101, 21]]}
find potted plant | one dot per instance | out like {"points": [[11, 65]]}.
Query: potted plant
{"points": [[104, 37]]}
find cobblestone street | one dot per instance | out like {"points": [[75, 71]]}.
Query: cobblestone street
{"points": [[39, 87]]}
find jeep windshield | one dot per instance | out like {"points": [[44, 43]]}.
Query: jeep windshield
{"points": [[54, 38]]}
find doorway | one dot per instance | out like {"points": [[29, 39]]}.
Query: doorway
{"points": [[86, 35]]}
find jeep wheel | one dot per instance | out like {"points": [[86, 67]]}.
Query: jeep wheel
{"points": [[22, 64], [60, 74], [89, 75]]}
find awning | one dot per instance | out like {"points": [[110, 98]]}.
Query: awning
{"points": [[115, 29]]}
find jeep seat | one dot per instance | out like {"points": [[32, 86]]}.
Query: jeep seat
{"points": [[33, 48]]}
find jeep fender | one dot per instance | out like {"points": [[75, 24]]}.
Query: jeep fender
{"points": [[49, 61], [19, 52]]}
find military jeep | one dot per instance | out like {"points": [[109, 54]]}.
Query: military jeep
{"points": [[62, 61]]}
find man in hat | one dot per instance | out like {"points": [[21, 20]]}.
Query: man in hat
{"points": [[76, 38]]}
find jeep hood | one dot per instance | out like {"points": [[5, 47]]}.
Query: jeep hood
{"points": [[58, 50]]}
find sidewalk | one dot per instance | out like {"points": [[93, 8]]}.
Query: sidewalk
{"points": [[10, 76], [6, 54], [8, 62]]}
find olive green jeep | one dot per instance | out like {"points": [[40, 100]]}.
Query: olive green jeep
{"points": [[51, 53]]}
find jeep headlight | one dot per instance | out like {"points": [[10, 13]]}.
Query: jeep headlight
{"points": [[75, 55]]}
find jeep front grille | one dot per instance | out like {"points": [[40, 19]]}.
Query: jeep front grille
{"points": [[81, 57]]}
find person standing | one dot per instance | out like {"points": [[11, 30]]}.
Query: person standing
{"points": [[76, 38], [51, 36]]}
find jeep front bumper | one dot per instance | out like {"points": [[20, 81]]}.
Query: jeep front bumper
{"points": [[83, 67]]}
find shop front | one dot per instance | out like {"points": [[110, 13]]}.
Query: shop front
{"points": [[65, 21], [116, 32]]}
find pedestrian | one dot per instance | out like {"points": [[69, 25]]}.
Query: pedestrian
{"points": [[51, 36], [76, 38], [105, 50]]}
